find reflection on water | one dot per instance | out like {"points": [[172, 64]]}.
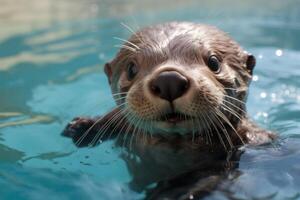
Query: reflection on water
{"points": [[51, 58]]}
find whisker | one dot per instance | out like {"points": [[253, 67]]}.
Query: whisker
{"points": [[120, 98], [235, 106], [83, 136], [119, 93], [127, 41], [128, 28], [102, 131], [134, 131], [220, 124], [193, 126], [196, 123], [207, 127], [227, 108], [123, 118], [218, 133], [122, 122], [228, 122], [125, 47], [130, 118], [142, 131], [235, 99], [132, 31]]}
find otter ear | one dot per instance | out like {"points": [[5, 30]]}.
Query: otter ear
{"points": [[250, 63], [108, 72]]}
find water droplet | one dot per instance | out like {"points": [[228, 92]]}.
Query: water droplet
{"points": [[265, 114], [255, 78], [279, 52], [263, 95]]}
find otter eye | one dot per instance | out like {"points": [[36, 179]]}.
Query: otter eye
{"points": [[132, 70], [214, 64]]}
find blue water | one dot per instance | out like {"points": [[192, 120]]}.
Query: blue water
{"points": [[51, 71]]}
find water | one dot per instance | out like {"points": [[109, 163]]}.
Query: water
{"points": [[51, 58]]}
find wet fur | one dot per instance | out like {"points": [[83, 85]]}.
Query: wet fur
{"points": [[182, 164]]}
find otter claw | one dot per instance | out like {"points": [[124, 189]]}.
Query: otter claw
{"points": [[77, 127]]}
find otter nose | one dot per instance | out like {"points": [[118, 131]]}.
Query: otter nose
{"points": [[169, 85]]}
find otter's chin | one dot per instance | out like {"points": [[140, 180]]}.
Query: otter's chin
{"points": [[180, 126]]}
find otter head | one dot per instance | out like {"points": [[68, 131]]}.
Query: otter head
{"points": [[180, 78]]}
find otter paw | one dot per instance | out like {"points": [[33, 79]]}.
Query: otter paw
{"points": [[77, 127]]}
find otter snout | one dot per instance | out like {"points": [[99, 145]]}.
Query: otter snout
{"points": [[169, 85]]}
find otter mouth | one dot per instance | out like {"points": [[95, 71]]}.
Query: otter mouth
{"points": [[174, 117]]}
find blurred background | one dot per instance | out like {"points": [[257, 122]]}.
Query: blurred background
{"points": [[52, 54]]}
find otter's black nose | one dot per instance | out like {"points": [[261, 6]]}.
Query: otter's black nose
{"points": [[169, 85]]}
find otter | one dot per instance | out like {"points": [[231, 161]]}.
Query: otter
{"points": [[181, 91]]}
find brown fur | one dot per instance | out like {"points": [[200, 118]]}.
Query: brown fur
{"points": [[219, 125]]}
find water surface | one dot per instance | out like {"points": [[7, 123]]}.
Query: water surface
{"points": [[51, 69]]}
